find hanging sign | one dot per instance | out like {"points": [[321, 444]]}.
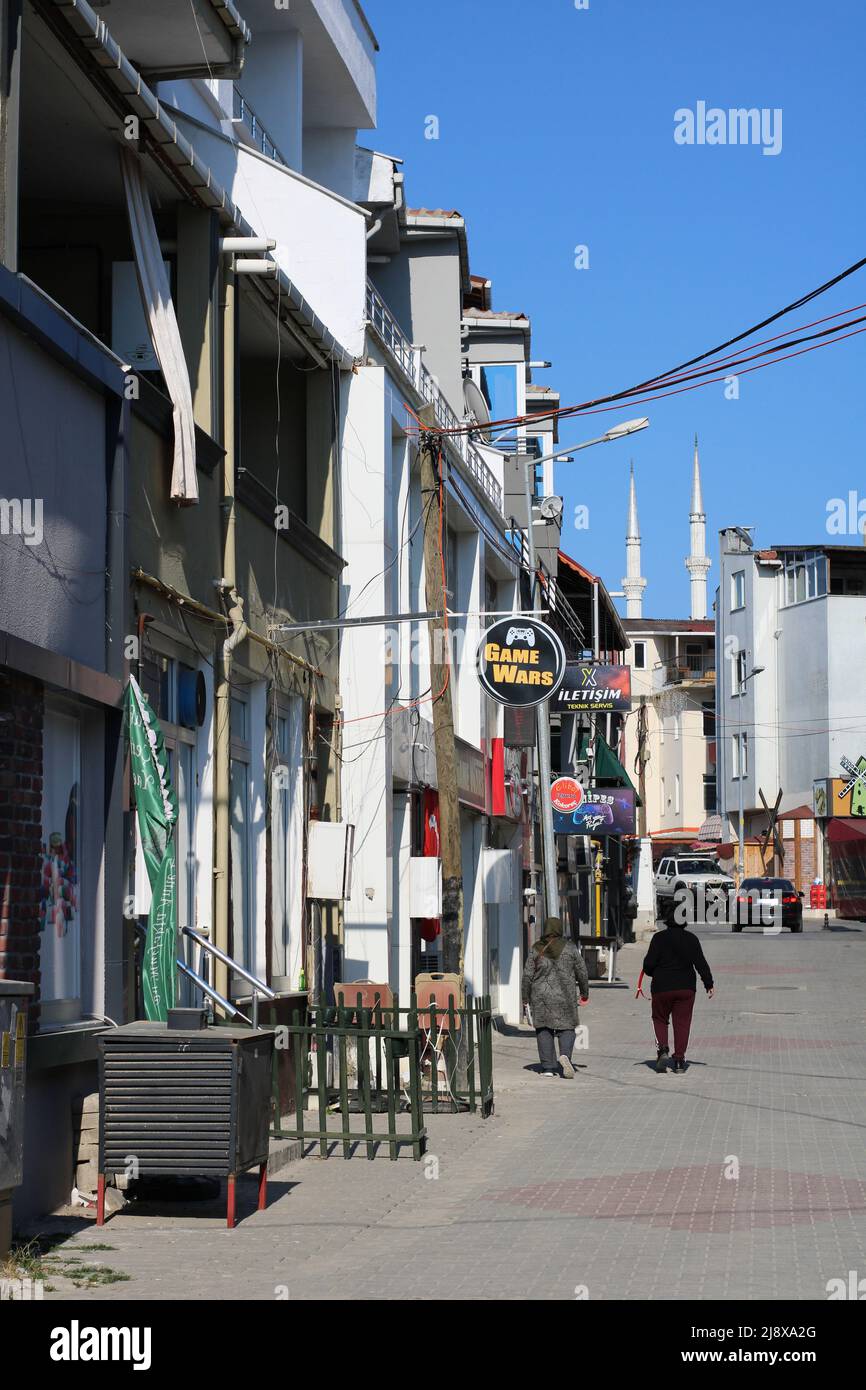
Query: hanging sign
{"points": [[566, 795], [595, 688], [600, 811], [521, 661]]}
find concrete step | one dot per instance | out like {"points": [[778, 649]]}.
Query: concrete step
{"points": [[282, 1152]]}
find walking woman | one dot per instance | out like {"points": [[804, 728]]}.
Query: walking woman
{"points": [[672, 959], [553, 969]]}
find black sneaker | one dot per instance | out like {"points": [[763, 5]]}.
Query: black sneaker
{"points": [[661, 1054], [678, 1065]]}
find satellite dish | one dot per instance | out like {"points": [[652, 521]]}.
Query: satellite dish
{"points": [[477, 407], [551, 509]]}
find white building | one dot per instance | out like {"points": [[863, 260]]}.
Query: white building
{"points": [[670, 738], [795, 616], [414, 355]]}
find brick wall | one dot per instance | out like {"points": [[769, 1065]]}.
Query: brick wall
{"points": [[21, 717]]}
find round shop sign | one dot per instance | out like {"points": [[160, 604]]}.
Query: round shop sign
{"points": [[566, 795], [520, 661]]}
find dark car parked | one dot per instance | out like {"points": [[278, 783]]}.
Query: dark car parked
{"points": [[760, 900]]}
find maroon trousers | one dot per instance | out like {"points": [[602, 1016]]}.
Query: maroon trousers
{"points": [[676, 1004]]}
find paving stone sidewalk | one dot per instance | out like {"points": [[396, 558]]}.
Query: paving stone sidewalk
{"points": [[745, 1178]]}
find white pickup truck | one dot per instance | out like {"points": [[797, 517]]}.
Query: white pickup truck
{"points": [[700, 875]]}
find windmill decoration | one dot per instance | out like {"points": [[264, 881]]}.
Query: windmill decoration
{"points": [[772, 831], [856, 786]]}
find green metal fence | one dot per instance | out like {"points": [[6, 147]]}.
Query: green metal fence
{"points": [[354, 1064]]}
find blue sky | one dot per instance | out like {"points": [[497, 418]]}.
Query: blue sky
{"points": [[557, 130]]}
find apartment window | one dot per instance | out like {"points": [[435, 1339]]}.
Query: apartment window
{"points": [[640, 656], [498, 385], [241, 836], [709, 720], [804, 576], [740, 758], [62, 857], [676, 728], [740, 671], [664, 801], [738, 589], [710, 799], [677, 794]]}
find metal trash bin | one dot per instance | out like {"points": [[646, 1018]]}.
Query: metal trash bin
{"points": [[15, 996], [184, 1102]]}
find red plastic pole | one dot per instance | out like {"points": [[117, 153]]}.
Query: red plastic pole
{"points": [[263, 1186], [100, 1200], [230, 1208]]}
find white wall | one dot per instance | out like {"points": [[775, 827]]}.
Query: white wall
{"points": [[321, 239], [367, 588]]}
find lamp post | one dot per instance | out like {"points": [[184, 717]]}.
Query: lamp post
{"points": [[542, 711], [755, 671]]}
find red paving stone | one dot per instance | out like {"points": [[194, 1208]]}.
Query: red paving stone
{"points": [[698, 1198]]}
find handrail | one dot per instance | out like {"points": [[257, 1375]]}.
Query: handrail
{"points": [[202, 984], [210, 992], [236, 969]]}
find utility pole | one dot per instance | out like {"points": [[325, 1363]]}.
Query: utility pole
{"points": [[542, 732], [641, 765], [443, 714]]}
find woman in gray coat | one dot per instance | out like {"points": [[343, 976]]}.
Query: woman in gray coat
{"points": [[553, 968]]}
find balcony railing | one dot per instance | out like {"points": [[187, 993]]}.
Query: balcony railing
{"points": [[388, 330], [685, 670], [242, 111]]}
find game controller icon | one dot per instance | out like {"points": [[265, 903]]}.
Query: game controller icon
{"points": [[524, 634]]}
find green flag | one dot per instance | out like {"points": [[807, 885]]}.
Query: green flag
{"points": [[156, 806]]}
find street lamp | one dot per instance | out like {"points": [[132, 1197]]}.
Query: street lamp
{"points": [[755, 671], [542, 711]]}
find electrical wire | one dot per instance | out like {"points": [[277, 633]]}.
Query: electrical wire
{"points": [[593, 406]]}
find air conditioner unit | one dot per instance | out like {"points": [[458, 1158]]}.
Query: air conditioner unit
{"points": [[330, 848]]}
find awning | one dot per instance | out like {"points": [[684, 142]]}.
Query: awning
{"points": [[608, 767]]}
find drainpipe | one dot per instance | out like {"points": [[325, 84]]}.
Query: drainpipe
{"points": [[223, 654]]}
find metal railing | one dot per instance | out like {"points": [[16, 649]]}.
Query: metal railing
{"points": [[242, 111], [357, 1062], [354, 1070], [259, 988], [684, 670], [382, 321]]}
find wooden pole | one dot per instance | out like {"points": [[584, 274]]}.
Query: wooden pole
{"points": [[432, 503]]}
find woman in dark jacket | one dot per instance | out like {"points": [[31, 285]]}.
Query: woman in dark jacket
{"points": [[672, 959], [553, 968]]}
